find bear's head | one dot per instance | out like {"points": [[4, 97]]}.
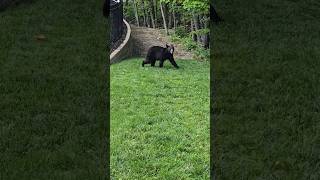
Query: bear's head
{"points": [[170, 48]]}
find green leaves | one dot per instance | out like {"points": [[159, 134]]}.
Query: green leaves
{"points": [[190, 5], [201, 31], [196, 5]]}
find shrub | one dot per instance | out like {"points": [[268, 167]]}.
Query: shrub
{"points": [[189, 44], [202, 54], [175, 38], [199, 52], [181, 32]]}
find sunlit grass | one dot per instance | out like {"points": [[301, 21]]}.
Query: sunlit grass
{"points": [[160, 121]]}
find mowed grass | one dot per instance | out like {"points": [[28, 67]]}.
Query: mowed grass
{"points": [[266, 69], [53, 93], [160, 120]]}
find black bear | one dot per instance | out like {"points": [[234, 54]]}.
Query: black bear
{"points": [[160, 53]]}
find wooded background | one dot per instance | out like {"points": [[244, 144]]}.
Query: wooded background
{"points": [[183, 18]]}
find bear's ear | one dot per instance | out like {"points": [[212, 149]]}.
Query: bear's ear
{"points": [[167, 45]]}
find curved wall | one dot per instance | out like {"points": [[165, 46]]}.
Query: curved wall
{"points": [[125, 49]]}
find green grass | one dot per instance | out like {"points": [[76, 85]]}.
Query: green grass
{"points": [[53, 93], [160, 121], [266, 73]]}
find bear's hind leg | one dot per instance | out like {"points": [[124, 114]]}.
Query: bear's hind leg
{"points": [[153, 63]]}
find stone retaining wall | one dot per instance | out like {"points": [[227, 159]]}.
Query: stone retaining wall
{"points": [[125, 49]]}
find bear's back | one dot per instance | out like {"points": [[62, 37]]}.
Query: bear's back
{"points": [[156, 52]]}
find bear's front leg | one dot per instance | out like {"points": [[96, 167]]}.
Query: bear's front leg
{"points": [[174, 63], [153, 63], [161, 63]]}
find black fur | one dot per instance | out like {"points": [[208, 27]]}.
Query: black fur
{"points": [[106, 8], [214, 16], [160, 53]]}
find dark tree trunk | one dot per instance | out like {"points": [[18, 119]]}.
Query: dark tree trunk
{"points": [[196, 26], [106, 8], [206, 41], [194, 36], [170, 21], [178, 19], [166, 12], [152, 14], [148, 19], [144, 14], [174, 20], [155, 13], [214, 15]]}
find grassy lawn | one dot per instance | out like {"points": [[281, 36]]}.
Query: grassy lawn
{"points": [[53, 93], [267, 100], [160, 121]]}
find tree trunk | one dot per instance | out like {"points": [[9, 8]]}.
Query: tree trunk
{"points": [[152, 20], [106, 8], [196, 26], [213, 15], [170, 20], [155, 13], [194, 36], [164, 19], [166, 13], [136, 12], [144, 14], [183, 22], [174, 20], [206, 41], [152, 14], [178, 16], [148, 19]]}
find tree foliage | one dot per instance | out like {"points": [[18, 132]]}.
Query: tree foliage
{"points": [[193, 15]]}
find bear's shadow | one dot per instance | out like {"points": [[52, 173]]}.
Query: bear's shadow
{"points": [[165, 67]]}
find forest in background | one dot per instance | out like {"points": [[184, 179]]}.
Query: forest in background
{"points": [[186, 21]]}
